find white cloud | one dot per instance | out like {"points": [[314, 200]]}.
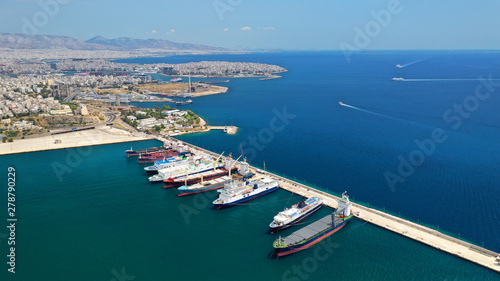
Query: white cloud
{"points": [[172, 30], [226, 29], [154, 31], [246, 28], [269, 28]]}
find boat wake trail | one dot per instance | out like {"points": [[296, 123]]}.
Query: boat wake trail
{"points": [[411, 63], [437, 80], [378, 114], [371, 112]]}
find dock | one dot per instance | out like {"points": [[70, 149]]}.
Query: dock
{"points": [[230, 130], [467, 251]]}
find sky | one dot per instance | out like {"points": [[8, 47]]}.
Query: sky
{"points": [[270, 24]]}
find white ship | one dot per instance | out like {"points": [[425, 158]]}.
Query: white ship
{"points": [[237, 192], [194, 165], [296, 213]]}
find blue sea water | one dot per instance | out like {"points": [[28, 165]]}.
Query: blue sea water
{"points": [[100, 219]]}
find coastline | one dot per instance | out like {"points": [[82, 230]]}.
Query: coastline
{"points": [[105, 135], [101, 136], [213, 89], [228, 77]]}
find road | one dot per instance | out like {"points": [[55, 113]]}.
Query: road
{"points": [[110, 116]]}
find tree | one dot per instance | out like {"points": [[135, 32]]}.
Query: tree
{"points": [[12, 133], [157, 128]]}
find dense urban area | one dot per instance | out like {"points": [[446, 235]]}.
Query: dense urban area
{"points": [[39, 96]]}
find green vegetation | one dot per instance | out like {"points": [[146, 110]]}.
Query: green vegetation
{"points": [[192, 118], [12, 133], [189, 119], [71, 105]]}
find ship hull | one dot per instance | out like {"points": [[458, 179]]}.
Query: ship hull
{"points": [[234, 203], [162, 180], [171, 183], [201, 190], [157, 157], [149, 151], [297, 220], [296, 248]]}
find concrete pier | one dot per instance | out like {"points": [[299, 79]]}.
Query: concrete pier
{"points": [[428, 236], [230, 130]]}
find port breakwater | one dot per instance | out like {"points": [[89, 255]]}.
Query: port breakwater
{"points": [[431, 237]]}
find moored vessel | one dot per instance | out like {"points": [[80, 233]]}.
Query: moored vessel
{"points": [[195, 178], [165, 163], [203, 186], [316, 231], [130, 152], [195, 164], [236, 192], [296, 213]]}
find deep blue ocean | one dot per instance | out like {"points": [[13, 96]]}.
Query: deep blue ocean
{"points": [[101, 220]]}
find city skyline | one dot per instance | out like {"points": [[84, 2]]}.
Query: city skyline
{"points": [[322, 25]]}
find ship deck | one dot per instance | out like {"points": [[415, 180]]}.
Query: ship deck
{"points": [[310, 230], [209, 183]]}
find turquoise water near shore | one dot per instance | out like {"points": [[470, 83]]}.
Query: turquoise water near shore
{"points": [[101, 219]]}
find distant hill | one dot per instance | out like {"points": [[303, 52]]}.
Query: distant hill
{"points": [[23, 41], [133, 44]]}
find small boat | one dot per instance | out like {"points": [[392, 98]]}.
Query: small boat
{"points": [[189, 101], [296, 213]]}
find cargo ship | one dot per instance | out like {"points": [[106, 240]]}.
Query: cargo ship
{"points": [[195, 178], [236, 192], [203, 186], [190, 179], [158, 156], [296, 213], [131, 152], [316, 231]]}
